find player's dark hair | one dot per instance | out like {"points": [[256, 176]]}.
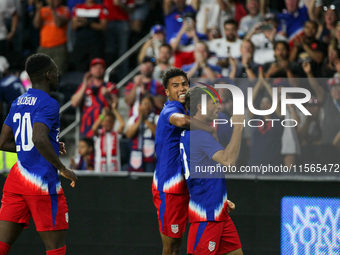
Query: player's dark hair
{"points": [[150, 98], [37, 65], [173, 72], [284, 43], [193, 98], [231, 21], [166, 45], [88, 141]]}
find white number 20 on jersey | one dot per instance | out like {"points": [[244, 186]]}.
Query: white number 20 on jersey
{"points": [[25, 130]]}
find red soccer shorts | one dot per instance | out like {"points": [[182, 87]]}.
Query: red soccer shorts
{"points": [[172, 211], [49, 212], [213, 237]]}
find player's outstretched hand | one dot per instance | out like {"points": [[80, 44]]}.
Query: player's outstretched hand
{"points": [[62, 148], [69, 174], [231, 206]]}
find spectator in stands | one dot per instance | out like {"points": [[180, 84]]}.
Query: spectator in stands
{"points": [[281, 67], [208, 14], [106, 139], [331, 66], [309, 132], [139, 15], [174, 11], [52, 22], [308, 48], [290, 143], [331, 104], [231, 9], [201, 67], [94, 94], [142, 84], [245, 67], [227, 47], [264, 35], [118, 32], [292, 20], [163, 62], [7, 9], [89, 21], [335, 41], [17, 43], [326, 28], [71, 33], [141, 130], [84, 159], [254, 17], [265, 142], [10, 87], [151, 47], [330, 125], [183, 42]]}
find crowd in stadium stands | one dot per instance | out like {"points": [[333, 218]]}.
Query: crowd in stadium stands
{"points": [[260, 44]]}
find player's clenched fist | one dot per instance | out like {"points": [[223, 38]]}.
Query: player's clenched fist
{"points": [[231, 206]]}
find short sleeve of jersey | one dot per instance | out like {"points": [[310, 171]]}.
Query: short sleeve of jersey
{"points": [[207, 144], [47, 113], [171, 109]]}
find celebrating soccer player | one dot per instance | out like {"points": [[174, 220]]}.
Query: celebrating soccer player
{"points": [[211, 230], [170, 193], [33, 188]]}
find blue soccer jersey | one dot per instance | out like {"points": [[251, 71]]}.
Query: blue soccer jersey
{"points": [[208, 195], [168, 176], [33, 174]]}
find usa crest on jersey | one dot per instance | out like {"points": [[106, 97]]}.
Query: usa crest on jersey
{"points": [[174, 228], [211, 246]]}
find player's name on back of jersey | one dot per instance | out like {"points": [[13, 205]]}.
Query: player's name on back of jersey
{"points": [[26, 100]]}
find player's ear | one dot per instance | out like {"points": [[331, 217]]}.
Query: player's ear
{"points": [[48, 75], [199, 108], [167, 92]]}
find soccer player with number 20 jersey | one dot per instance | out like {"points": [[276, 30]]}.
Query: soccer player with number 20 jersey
{"points": [[33, 187]]}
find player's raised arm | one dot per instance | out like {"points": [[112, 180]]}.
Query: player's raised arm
{"points": [[45, 148], [7, 142], [184, 121], [230, 154]]}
